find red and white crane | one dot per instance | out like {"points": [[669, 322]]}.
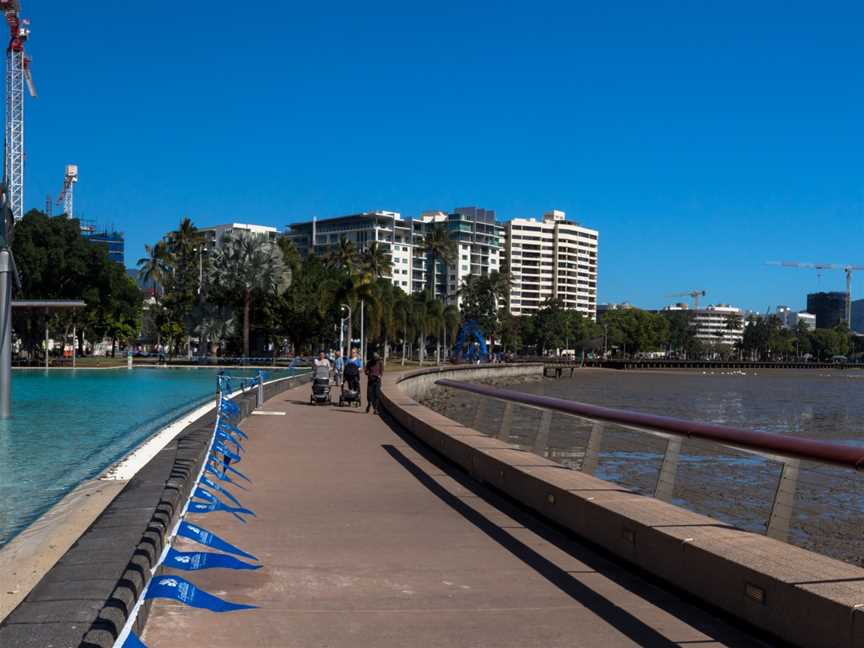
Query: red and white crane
{"points": [[67, 196], [17, 76]]}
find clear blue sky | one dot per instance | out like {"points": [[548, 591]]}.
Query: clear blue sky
{"points": [[701, 138]]}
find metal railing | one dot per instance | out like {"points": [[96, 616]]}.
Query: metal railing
{"points": [[812, 490]]}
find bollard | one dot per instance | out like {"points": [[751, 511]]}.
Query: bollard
{"points": [[784, 501], [665, 487], [541, 439], [260, 391], [592, 452]]}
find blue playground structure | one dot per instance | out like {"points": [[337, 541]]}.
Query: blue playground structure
{"points": [[470, 344]]}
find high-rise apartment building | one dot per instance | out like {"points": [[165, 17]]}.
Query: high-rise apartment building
{"points": [[552, 258], [475, 231], [828, 307]]}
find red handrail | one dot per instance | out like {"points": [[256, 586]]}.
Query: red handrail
{"points": [[809, 449]]}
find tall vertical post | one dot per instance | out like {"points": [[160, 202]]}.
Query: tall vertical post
{"points": [[260, 398], [74, 344], [46, 338], [363, 331], [14, 161], [5, 334]]}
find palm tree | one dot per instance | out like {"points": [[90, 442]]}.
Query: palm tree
{"points": [[215, 325], [402, 314], [452, 322], [418, 324], [154, 267], [376, 260], [435, 322], [343, 255], [382, 313], [253, 266], [438, 246]]}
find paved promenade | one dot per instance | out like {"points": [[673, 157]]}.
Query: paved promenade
{"points": [[367, 541]]}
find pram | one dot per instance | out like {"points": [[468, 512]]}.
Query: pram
{"points": [[320, 386], [350, 394]]}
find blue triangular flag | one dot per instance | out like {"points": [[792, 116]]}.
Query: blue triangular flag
{"points": [[196, 560], [179, 589], [209, 539]]}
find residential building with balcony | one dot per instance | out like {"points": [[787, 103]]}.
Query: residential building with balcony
{"points": [[215, 234], [552, 258], [477, 234], [713, 325]]}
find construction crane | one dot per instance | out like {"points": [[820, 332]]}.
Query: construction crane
{"points": [[848, 269], [66, 197], [692, 294], [18, 75]]}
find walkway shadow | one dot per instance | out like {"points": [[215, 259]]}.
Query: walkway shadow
{"points": [[722, 630]]}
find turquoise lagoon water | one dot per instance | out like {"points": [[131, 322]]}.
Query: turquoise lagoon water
{"points": [[69, 426]]}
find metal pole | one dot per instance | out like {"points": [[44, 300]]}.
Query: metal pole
{"points": [[46, 338], [74, 344], [362, 332], [5, 334]]}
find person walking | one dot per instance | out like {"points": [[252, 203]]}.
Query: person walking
{"points": [[374, 371], [339, 367]]}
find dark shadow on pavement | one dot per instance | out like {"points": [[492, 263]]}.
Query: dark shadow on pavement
{"points": [[721, 629]]}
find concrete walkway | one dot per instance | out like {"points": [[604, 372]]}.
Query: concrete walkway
{"points": [[366, 540]]}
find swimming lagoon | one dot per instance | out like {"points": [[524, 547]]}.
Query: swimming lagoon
{"points": [[68, 426]]}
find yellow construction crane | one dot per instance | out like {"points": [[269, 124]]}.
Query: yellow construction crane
{"points": [[848, 269], [692, 294]]}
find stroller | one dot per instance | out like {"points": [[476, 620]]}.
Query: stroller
{"points": [[350, 394], [320, 386]]}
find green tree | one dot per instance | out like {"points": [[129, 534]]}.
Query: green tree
{"points": [[440, 250], [376, 261], [249, 266], [56, 262]]}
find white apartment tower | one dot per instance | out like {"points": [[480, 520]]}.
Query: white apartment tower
{"points": [[552, 258]]}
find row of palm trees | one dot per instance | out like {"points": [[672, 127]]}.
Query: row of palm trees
{"points": [[203, 292], [390, 312]]}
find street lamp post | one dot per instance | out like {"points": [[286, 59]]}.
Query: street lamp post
{"points": [[345, 352]]}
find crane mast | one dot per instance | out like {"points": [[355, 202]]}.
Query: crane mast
{"points": [[17, 77], [692, 294], [67, 196]]}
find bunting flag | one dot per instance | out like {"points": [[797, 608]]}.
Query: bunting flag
{"points": [[219, 489], [221, 434], [179, 589], [132, 641], [210, 507], [233, 428], [209, 539], [221, 449], [194, 561], [228, 468]]}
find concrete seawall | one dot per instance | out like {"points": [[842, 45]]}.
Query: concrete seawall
{"points": [[85, 598], [795, 595]]}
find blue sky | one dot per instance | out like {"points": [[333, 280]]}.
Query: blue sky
{"points": [[701, 138]]}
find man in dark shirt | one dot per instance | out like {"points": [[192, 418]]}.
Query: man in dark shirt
{"points": [[374, 370]]}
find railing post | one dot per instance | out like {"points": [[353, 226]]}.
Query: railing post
{"points": [[479, 413], [592, 452], [506, 421], [260, 391], [784, 501], [541, 441], [666, 479]]}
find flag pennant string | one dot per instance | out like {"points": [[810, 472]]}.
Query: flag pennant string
{"points": [[173, 587]]}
